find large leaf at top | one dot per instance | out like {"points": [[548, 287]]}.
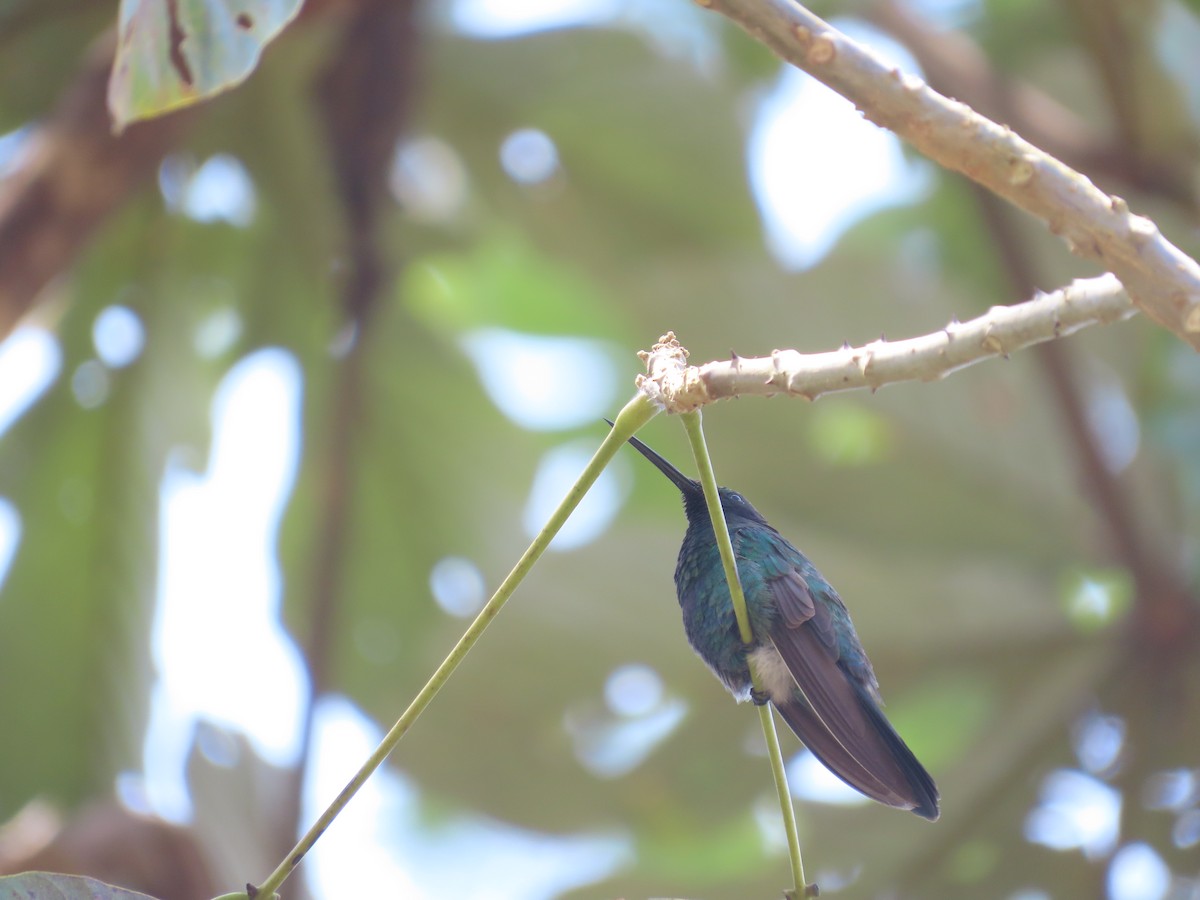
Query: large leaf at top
{"points": [[50, 886], [172, 53]]}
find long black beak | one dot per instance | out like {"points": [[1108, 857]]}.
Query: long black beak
{"points": [[681, 481]]}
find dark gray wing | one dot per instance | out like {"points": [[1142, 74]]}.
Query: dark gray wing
{"points": [[837, 718]]}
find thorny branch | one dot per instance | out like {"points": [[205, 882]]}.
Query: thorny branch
{"points": [[1162, 280], [677, 387]]}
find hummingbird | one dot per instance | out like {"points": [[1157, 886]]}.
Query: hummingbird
{"points": [[809, 659]]}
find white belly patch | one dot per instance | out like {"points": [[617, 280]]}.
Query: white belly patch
{"points": [[773, 673]]}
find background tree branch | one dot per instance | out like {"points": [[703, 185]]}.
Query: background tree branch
{"points": [[1160, 278], [73, 174]]}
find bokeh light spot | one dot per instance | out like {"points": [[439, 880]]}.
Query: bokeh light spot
{"points": [[457, 586], [10, 537], [810, 780], [543, 383], [217, 333], [29, 362], [1075, 811], [118, 336], [429, 180], [1098, 740], [1186, 833], [557, 472], [1137, 872], [221, 190], [809, 192], [1176, 789], [633, 690], [529, 156], [1093, 598], [90, 384]]}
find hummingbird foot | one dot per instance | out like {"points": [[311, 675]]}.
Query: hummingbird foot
{"points": [[759, 698]]}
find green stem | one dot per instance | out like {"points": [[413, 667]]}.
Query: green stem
{"points": [[693, 424], [637, 412], [767, 718]]}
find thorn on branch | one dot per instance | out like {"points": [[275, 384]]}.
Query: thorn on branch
{"points": [[1192, 322], [822, 51], [1141, 230], [862, 360], [1021, 172]]}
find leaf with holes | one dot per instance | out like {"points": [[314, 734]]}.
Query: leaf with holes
{"points": [[173, 53]]}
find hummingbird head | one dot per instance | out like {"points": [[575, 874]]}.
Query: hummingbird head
{"points": [[733, 504]]}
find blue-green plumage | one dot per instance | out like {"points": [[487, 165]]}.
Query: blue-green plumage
{"points": [[809, 659]]}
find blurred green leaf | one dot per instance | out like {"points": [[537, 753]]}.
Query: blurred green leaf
{"points": [[505, 282], [848, 435], [82, 469]]}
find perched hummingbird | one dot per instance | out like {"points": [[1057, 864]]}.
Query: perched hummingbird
{"points": [[808, 657]]}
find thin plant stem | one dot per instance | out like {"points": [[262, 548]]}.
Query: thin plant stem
{"points": [[786, 808], [636, 413], [693, 424]]}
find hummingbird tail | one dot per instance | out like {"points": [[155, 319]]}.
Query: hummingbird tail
{"points": [[924, 792], [880, 765]]}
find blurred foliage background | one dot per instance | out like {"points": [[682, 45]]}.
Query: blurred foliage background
{"points": [[451, 244]]}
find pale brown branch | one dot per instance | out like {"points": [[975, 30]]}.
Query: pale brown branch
{"points": [[1162, 280], [1002, 330], [955, 64]]}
